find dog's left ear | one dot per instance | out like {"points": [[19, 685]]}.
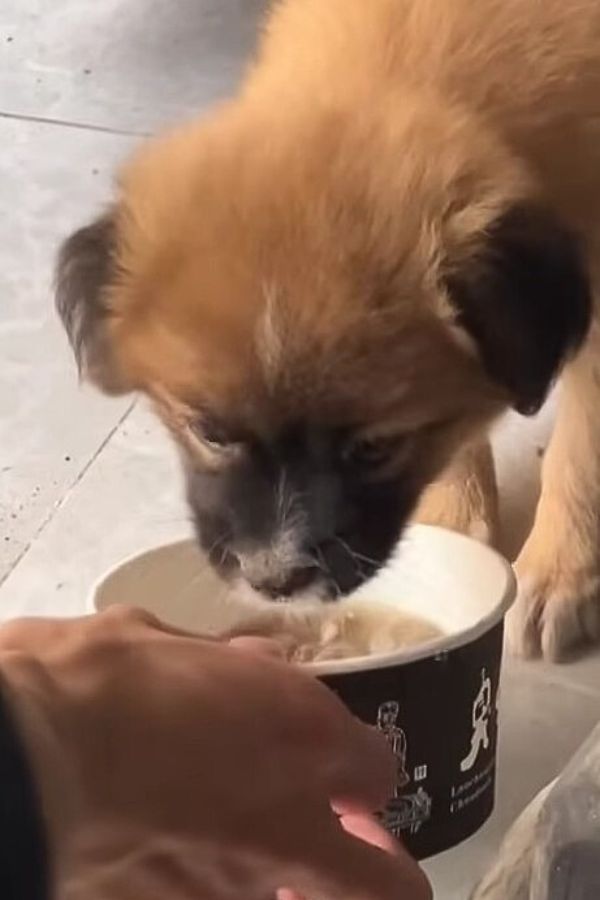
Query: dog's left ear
{"points": [[524, 297], [85, 270]]}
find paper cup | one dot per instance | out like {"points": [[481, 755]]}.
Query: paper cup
{"points": [[435, 703]]}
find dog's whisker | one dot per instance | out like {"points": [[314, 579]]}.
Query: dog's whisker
{"points": [[346, 547], [197, 577], [336, 588], [366, 559], [320, 562], [355, 555]]}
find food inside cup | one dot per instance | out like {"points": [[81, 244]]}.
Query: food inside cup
{"points": [[346, 630]]}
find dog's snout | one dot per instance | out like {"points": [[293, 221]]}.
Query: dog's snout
{"points": [[292, 583]]}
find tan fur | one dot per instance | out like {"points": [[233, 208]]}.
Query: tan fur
{"points": [[559, 572], [259, 251], [465, 498]]}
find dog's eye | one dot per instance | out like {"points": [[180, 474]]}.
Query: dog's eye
{"points": [[212, 435], [368, 453]]}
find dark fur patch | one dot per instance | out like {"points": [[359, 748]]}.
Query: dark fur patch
{"points": [[526, 301], [84, 270], [350, 520]]}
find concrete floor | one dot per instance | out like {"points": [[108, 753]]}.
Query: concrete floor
{"points": [[84, 480]]}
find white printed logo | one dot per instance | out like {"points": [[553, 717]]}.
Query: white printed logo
{"points": [[482, 711]]}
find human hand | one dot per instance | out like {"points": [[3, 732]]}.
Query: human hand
{"points": [[172, 766]]}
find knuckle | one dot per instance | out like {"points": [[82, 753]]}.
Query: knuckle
{"points": [[123, 614], [22, 633], [12, 632]]}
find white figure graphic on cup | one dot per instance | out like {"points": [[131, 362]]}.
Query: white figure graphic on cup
{"points": [[482, 711], [387, 722]]}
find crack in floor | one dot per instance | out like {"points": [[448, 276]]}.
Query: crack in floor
{"points": [[52, 512], [67, 123]]}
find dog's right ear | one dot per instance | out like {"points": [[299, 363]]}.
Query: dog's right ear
{"points": [[525, 299], [85, 270]]}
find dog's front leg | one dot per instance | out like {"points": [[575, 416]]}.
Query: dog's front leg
{"points": [[465, 498], [558, 605]]}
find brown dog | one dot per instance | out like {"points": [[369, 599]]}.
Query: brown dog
{"points": [[333, 286]]}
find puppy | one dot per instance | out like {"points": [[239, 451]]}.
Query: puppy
{"points": [[332, 286]]}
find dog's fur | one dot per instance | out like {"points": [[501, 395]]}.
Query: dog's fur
{"points": [[332, 286]]}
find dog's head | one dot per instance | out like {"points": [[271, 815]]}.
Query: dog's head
{"points": [[321, 321]]}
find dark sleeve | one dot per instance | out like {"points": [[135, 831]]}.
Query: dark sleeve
{"points": [[24, 872]]}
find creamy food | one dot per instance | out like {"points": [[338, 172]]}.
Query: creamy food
{"points": [[340, 631]]}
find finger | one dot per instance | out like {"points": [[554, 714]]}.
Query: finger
{"points": [[362, 772], [354, 760], [346, 868], [259, 646], [320, 739], [126, 617], [368, 829], [287, 894], [347, 760], [351, 762], [48, 633]]}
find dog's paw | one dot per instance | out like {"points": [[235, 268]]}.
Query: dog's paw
{"points": [[555, 614]]}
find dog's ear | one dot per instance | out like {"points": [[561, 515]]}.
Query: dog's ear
{"points": [[85, 269], [524, 297]]}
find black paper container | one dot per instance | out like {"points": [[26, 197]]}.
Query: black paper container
{"points": [[440, 717], [435, 703]]}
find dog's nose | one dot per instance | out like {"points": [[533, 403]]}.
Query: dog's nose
{"points": [[292, 583]]}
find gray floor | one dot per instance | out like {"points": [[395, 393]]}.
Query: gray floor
{"points": [[85, 481]]}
